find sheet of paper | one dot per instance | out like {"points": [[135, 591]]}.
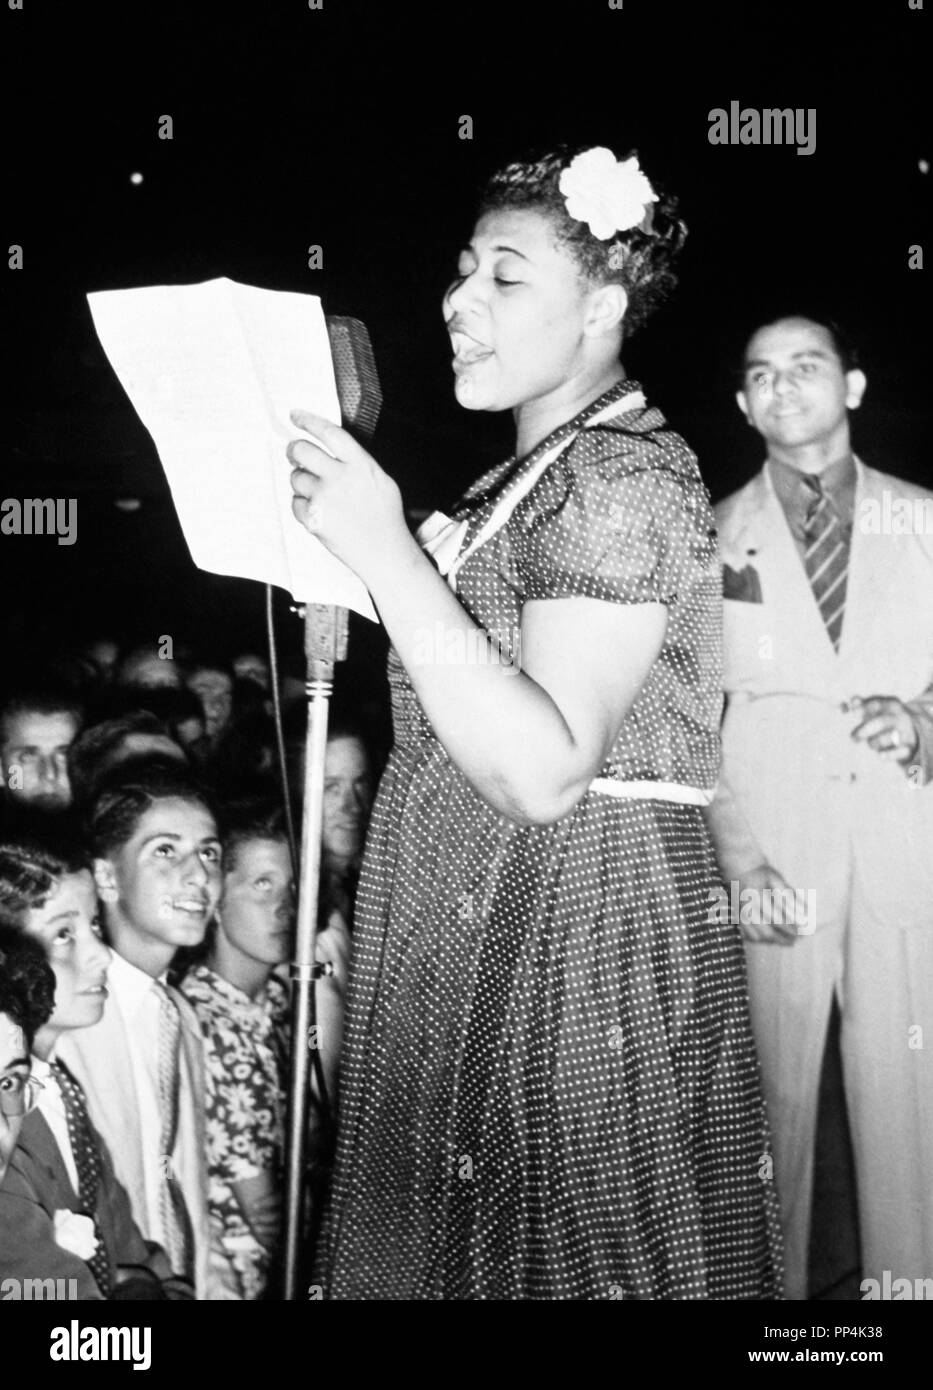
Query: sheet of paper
{"points": [[213, 370]]}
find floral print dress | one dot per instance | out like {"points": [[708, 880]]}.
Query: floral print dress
{"points": [[245, 1044]]}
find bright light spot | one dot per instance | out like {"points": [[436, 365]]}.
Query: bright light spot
{"points": [[136, 178], [923, 165], [127, 504]]}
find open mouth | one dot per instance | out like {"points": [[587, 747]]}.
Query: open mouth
{"points": [[467, 350], [194, 907], [98, 991]]}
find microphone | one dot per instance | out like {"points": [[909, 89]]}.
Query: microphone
{"points": [[358, 389], [360, 398]]}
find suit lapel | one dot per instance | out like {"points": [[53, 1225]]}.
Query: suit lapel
{"points": [[869, 566], [192, 1041], [38, 1140]]}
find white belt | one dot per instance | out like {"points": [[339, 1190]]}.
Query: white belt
{"points": [[653, 791]]}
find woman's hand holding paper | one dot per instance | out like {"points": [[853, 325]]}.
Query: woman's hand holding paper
{"points": [[344, 498]]}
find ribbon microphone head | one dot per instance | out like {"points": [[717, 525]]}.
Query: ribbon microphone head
{"points": [[358, 389]]}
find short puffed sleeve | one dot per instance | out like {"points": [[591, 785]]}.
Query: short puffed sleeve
{"points": [[616, 518]]}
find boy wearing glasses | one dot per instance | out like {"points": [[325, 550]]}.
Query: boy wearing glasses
{"points": [[63, 1213]]}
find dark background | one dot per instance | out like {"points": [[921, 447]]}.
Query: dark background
{"points": [[340, 128]]}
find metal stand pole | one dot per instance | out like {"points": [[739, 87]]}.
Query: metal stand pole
{"points": [[325, 643]]}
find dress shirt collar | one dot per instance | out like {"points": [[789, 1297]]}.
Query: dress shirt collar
{"points": [[41, 1067], [132, 985], [838, 481]]}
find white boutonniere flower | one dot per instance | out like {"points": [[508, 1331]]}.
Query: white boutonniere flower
{"points": [[611, 195], [75, 1233]]}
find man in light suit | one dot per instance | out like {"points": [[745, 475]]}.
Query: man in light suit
{"points": [[827, 788], [157, 868]]}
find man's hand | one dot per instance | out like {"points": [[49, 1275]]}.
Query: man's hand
{"points": [[773, 915], [887, 726], [332, 947]]}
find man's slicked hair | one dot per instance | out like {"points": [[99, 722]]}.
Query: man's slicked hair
{"points": [[40, 699], [843, 342], [124, 798]]}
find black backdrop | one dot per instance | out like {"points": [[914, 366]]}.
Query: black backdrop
{"points": [[339, 127]]}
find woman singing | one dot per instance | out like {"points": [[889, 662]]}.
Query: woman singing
{"points": [[549, 1088]]}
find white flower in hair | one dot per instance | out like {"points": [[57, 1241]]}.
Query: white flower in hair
{"points": [[611, 195], [75, 1233]]}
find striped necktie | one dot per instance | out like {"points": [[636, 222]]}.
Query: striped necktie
{"points": [[85, 1151], [176, 1223], [826, 557]]}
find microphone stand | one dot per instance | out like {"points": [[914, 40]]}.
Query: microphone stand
{"points": [[325, 644]]}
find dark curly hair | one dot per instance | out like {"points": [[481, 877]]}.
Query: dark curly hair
{"points": [[27, 983], [123, 798], [97, 751], [29, 874], [640, 260]]}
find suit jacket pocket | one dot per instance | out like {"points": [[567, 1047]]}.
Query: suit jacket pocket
{"points": [[741, 586]]}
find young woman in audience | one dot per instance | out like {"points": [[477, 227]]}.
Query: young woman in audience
{"points": [[63, 1213]]}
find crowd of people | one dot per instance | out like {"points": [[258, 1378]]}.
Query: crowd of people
{"points": [[668, 816], [147, 907]]}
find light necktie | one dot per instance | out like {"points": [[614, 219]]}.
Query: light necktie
{"points": [[85, 1150], [826, 558], [175, 1220]]}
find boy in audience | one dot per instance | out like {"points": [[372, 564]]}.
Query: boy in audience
{"points": [[147, 667], [212, 682], [249, 666], [157, 866], [104, 746], [63, 1214], [104, 653], [37, 727]]}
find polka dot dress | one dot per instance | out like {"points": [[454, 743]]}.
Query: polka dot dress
{"points": [[549, 1087]]}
